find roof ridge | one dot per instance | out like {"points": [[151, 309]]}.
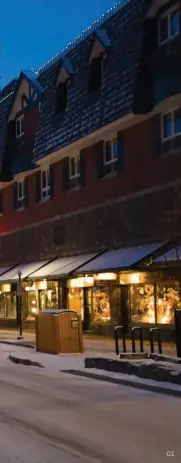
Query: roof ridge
{"points": [[85, 33]]}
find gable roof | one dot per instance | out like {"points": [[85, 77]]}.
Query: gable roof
{"points": [[86, 113], [31, 78], [6, 97]]}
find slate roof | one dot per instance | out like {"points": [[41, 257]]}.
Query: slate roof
{"points": [[6, 97], [85, 112]]}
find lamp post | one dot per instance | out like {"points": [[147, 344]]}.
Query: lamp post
{"points": [[19, 306]]}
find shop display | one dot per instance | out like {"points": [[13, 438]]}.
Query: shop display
{"points": [[8, 305], [142, 303], [168, 298], [101, 305]]}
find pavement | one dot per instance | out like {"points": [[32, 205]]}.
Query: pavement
{"points": [[50, 417], [99, 344]]}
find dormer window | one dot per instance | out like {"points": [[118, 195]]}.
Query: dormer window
{"points": [[62, 82], [168, 25], [98, 52], [61, 96], [95, 76], [19, 126]]}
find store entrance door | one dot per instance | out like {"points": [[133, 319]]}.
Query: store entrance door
{"points": [[87, 308], [42, 299]]}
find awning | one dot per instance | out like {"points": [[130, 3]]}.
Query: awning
{"points": [[27, 269], [5, 269], [61, 267], [174, 255], [120, 259]]}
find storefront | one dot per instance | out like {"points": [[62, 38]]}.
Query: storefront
{"points": [[152, 297], [40, 295], [7, 302], [97, 300]]}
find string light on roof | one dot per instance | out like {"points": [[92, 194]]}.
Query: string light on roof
{"points": [[85, 33]]}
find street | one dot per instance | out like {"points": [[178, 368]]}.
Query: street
{"points": [[52, 417]]}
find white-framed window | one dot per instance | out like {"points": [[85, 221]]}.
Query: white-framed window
{"points": [[45, 183], [110, 155], [74, 171], [20, 194], [171, 124], [19, 126], [168, 25]]}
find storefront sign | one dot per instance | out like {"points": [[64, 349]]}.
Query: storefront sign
{"points": [[106, 276], [81, 282]]}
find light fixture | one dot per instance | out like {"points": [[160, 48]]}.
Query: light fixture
{"points": [[106, 276], [34, 310]]}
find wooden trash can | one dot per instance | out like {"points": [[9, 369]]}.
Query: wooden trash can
{"points": [[59, 331]]}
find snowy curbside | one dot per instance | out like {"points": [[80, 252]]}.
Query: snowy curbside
{"points": [[148, 369], [103, 376], [16, 343], [26, 362]]}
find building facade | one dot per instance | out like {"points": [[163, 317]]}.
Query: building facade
{"points": [[90, 143]]}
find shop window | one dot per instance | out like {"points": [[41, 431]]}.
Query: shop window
{"points": [[74, 171], [48, 298], [8, 305], [167, 297], [168, 25], [142, 304], [19, 126], [45, 183], [75, 301], [101, 305], [32, 303]]}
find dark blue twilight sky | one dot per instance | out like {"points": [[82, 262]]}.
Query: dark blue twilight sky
{"points": [[32, 31]]}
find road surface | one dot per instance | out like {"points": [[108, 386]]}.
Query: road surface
{"points": [[51, 417]]}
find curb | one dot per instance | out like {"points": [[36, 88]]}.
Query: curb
{"points": [[16, 343], [155, 371], [126, 382], [26, 362]]}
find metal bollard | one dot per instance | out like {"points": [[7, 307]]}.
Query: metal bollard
{"points": [[154, 331], [117, 330], [140, 331]]}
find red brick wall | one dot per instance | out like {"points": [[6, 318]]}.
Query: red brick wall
{"points": [[142, 170]]}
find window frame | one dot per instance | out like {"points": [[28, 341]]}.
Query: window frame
{"points": [[21, 199], [45, 189], [19, 120], [174, 135], [113, 159], [74, 177], [167, 14]]}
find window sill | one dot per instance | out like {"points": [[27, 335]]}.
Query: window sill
{"points": [[73, 189], [20, 209], [44, 200], [110, 175], [171, 152]]}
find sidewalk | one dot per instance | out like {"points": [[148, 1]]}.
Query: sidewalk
{"points": [[92, 343], [96, 348]]}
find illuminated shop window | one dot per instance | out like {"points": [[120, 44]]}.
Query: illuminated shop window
{"points": [[167, 298], [32, 303], [101, 305], [8, 305], [142, 303]]}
